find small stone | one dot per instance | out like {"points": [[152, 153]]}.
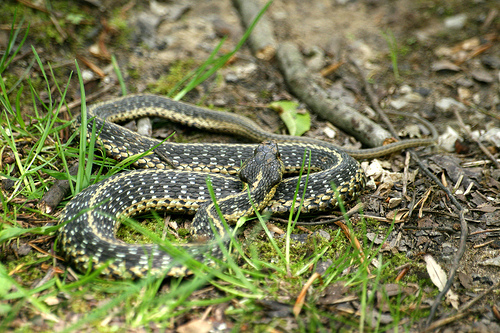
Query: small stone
{"points": [[471, 44], [144, 126], [455, 22], [87, 75], [22, 249], [444, 65], [476, 99], [464, 82], [398, 103], [464, 93], [445, 104], [405, 89], [424, 92], [482, 76], [323, 234], [413, 97], [491, 61], [246, 70], [231, 77], [448, 138], [330, 133], [492, 136], [410, 131], [222, 28]]}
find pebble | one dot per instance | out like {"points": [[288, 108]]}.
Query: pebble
{"points": [[448, 138], [464, 93], [408, 97], [323, 234], [405, 89], [87, 75], [231, 77], [399, 103], [482, 76], [413, 97], [146, 28], [446, 103], [329, 132], [491, 61], [455, 22], [444, 65], [424, 92], [394, 202], [464, 82], [492, 136]]}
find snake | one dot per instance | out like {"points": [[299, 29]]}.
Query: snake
{"points": [[301, 174]]}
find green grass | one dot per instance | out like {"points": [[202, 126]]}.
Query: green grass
{"points": [[39, 292], [393, 52]]}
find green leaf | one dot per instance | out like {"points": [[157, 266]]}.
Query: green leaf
{"points": [[297, 121]]}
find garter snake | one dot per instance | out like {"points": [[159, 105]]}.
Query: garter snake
{"points": [[173, 178]]}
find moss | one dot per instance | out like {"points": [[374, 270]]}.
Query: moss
{"points": [[11, 8], [167, 82], [183, 232], [154, 225], [122, 28], [23, 267], [133, 73], [265, 94]]}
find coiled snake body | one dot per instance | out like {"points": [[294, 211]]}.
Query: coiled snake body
{"points": [[173, 178]]}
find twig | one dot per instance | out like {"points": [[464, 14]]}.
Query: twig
{"points": [[301, 82], [261, 40], [461, 211], [33, 6], [463, 236], [461, 312], [473, 301], [57, 192], [93, 67], [439, 323], [481, 146], [374, 99], [405, 175]]}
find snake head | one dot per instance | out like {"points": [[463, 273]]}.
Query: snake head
{"points": [[265, 166]]}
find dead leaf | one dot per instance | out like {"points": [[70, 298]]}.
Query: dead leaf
{"points": [[439, 278], [196, 326], [453, 169], [397, 215], [299, 303], [465, 280], [486, 208]]}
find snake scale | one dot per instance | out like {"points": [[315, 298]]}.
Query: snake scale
{"points": [[173, 179]]}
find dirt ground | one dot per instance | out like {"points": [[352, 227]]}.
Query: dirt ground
{"points": [[447, 62]]}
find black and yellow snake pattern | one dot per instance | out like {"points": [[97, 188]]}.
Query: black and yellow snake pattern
{"points": [[173, 179]]}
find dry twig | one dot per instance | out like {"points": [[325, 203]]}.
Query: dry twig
{"points": [[481, 146]]}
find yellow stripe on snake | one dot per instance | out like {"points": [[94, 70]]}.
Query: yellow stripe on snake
{"points": [[173, 179]]}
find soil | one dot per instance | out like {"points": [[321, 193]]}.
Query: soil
{"points": [[447, 61]]}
